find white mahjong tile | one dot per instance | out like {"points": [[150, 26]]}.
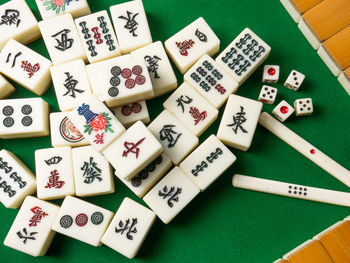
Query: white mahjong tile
{"points": [[211, 81], [17, 22], [196, 113], [92, 172], [96, 122], [283, 111], [131, 113], [92, 73], [54, 173], [6, 89], [63, 132], [238, 123], [129, 228], [207, 162], [133, 151], [176, 139], [192, 42], [82, 220], [131, 25], [149, 176], [162, 74], [51, 8], [243, 55], [62, 39], [124, 80], [172, 194], [98, 37], [31, 231], [16, 180], [22, 118], [26, 67], [71, 84]]}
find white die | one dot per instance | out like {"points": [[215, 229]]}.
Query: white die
{"points": [[162, 74], [71, 84], [62, 39], [303, 107], [16, 182], [92, 172], [176, 139], [124, 80], [238, 123], [31, 231], [131, 26], [243, 55], [271, 74], [23, 118], [207, 162], [129, 228], [49, 8], [171, 195], [6, 89], [149, 176], [133, 151], [283, 110], [54, 173], [96, 122], [19, 23], [196, 113], [26, 67], [63, 132], [190, 43], [82, 220], [294, 80], [131, 113], [97, 35], [211, 81], [267, 94]]}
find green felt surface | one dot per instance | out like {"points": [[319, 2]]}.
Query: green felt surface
{"points": [[224, 224]]}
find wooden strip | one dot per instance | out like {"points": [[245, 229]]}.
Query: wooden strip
{"points": [[337, 242], [303, 5], [312, 253], [328, 17], [337, 47]]}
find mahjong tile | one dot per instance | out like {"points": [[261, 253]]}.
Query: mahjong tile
{"points": [[133, 151], [92, 172], [82, 220], [98, 37], [17, 22], [129, 228], [131, 113], [238, 123], [54, 173], [190, 43], [62, 39], [172, 194], [31, 231], [207, 162], [51, 8], [131, 26], [196, 113], [16, 180], [162, 74], [243, 55], [211, 81], [22, 118], [6, 89], [177, 140], [71, 84], [25, 66]]}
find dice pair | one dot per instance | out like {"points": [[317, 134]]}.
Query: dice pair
{"points": [[302, 107]]}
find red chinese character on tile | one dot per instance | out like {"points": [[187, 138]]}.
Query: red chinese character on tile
{"points": [[54, 180], [38, 215]]}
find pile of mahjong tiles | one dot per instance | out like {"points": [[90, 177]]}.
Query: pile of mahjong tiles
{"points": [[102, 72]]}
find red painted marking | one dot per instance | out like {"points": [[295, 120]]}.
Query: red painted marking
{"points": [[271, 71], [312, 151], [264, 101], [284, 109]]}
